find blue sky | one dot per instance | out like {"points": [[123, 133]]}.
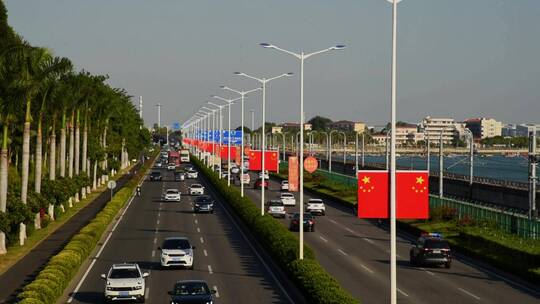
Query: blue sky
{"points": [[456, 58]]}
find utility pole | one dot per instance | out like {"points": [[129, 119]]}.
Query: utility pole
{"points": [[363, 149], [159, 115], [533, 161]]}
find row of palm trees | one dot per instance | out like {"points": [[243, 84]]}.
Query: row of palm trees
{"points": [[45, 106]]}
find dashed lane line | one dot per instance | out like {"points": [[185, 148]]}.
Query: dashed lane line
{"points": [[402, 292], [342, 252], [155, 240], [217, 291], [146, 293], [202, 240], [210, 271], [322, 238], [153, 253], [468, 293], [205, 252], [366, 268], [368, 240], [198, 229]]}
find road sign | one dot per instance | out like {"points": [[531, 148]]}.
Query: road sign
{"points": [[310, 164], [111, 184], [176, 126]]}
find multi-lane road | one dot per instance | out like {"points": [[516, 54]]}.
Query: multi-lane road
{"points": [[224, 256], [356, 252]]}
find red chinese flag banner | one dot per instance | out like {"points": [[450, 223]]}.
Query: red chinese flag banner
{"points": [[293, 173], [255, 160], [224, 153], [373, 194], [412, 195], [271, 161], [238, 155]]}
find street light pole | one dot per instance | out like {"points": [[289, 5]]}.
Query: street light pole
{"points": [[263, 81], [243, 94], [471, 156], [363, 150], [220, 132], [441, 160]]}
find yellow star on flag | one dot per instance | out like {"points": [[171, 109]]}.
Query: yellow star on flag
{"points": [[366, 180], [419, 180]]}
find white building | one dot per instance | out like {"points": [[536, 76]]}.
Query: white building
{"points": [[450, 129]]}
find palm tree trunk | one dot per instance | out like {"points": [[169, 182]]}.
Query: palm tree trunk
{"points": [[39, 160], [77, 144], [71, 147], [52, 160], [3, 183], [84, 146], [63, 147], [94, 180], [25, 161]]}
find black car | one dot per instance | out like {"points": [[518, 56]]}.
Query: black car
{"points": [[155, 176], [309, 222], [203, 204], [431, 249], [192, 291]]}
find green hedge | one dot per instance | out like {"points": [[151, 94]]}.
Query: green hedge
{"points": [[317, 285], [51, 282]]}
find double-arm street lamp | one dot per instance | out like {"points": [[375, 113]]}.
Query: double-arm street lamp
{"points": [[243, 94], [302, 57], [220, 131], [229, 104], [263, 81]]}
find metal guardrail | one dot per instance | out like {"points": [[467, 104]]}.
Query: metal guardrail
{"points": [[512, 221]]}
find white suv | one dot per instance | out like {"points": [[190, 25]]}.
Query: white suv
{"points": [[192, 174], [176, 251], [276, 209], [288, 199], [284, 185], [172, 195], [196, 189], [316, 205], [124, 282]]}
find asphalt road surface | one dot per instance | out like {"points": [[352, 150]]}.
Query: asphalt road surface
{"points": [[356, 253], [224, 258]]}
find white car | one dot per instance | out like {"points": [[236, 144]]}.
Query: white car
{"points": [[192, 174], [246, 179], [316, 205], [176, 251], [172, 195], [124, 282], [196, 189], [284, 185], [288, 199], [171, 167], [266, 175], [276, 209], [158, 164], [235, 170]]}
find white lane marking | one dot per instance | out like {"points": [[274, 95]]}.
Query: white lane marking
{"points": [[193, 214], [333, 221], [205, 252], [350, 230], [368, 240], [366, 268], [198, 229], [401, 292], [157, 223], [210, 269], [159, 214], [202, 240], [217, 292], [153, 253], [155, 240], [342, 252], [430, 273], [196, 221], [325, 240], [146, 292], [99, 253], [468, 293]]}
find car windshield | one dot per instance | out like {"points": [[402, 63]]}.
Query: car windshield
{"points": [[124, 273], [172, 191], [194, 288], [284, 182], [196, 186], [203, 200], [176, 244], [287, 195], [436, 244], [156, 173], [276, 203], [315, 202], [307, 216]]}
